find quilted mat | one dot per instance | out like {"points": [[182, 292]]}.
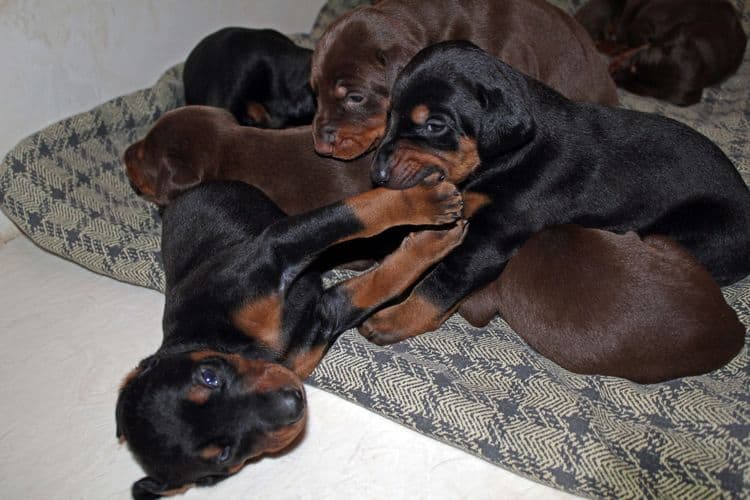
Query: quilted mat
{"points": [[482, 390]]}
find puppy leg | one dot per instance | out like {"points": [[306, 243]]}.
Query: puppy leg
{"points": [[466, 269], [346, 304]]}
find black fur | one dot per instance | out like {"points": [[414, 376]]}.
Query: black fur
{"points": [[545, 160], [237, 66]]}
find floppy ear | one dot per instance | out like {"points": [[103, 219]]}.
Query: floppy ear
{"points": [[148, 488], [392, 60], [506, 123], [175, 177]]}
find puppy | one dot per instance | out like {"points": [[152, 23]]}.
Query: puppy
{"points": [[260, 76], [246, 319], [356, 60], [194, 144], [667, 49], [527, 158], [596, 302]]}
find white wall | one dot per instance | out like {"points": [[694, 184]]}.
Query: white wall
{"points": [[61, 57]]}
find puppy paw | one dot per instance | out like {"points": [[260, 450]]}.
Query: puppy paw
{"points": [[436, 204], [435, 244]]}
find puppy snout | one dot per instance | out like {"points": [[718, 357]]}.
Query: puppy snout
{"points": [[380, 172], [324, 139]]}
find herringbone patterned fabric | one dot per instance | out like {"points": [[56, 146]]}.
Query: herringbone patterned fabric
{"points": [[482, 390]]}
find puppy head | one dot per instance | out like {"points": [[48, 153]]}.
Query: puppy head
{"points": [[195, 418], [182, 149], [450, 126], [353, 68]]}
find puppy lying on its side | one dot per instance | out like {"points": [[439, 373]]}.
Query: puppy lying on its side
{"points": [[246, 319], [194, 144], [668, 49], [260, 76], [596, 302]]}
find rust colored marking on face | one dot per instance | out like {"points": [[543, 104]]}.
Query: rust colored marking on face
{"points": [[198, 394], [211, 452], [176, 491], [129, 377], [136, 175], [354, 140], [340, 92], [278, 440], [261, 320], [419, 114], [258, 113], [408, 159], [303, 363], [473, 201]]}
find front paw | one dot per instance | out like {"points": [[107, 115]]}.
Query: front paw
{"points": [[434, 204], [435, 244], [378, 331]]}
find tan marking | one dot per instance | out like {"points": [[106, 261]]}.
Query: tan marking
{"points": [[303, 363], [176, 491], [261, 320], [381, 208], [340, 92], [139, 179], [354, 140], [408, 159], [211, 452], [130, 377], [403, 268], [414, 316], [258, 113], [257, 375], [198, 394], [473, 202], [419, 114]]}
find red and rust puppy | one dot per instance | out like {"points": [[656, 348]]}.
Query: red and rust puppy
{"points": [[194, 144], [260, 76], [356, 60], [246, 319], [527, 158], [667, 49], [600, 303]]}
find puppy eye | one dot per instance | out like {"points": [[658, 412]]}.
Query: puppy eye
{"points": [[224, 455], [354, 98], [434, 126], [209, 377]]}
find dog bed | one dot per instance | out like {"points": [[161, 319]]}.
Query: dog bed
{"points": [[482, 390]]}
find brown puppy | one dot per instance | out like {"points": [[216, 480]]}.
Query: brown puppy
{"points": [[356, 60], [194, 144], [668, 49], [596, 302]]}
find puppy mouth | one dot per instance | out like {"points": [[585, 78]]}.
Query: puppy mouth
{"points": [[412, 175]]}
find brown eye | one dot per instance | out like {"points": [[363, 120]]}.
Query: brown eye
{"points": [[224, 455], [354, 98], [434, 126]]}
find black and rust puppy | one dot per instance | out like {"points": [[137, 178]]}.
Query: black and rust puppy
{"points": [[260, 76], [246, 319], [668, 49], [527, 158]]}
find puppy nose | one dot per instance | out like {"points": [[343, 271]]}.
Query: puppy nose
{"points": [[290, 405], [328, 133], [381, 167]]}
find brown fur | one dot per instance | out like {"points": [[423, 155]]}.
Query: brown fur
{"points": [[596, 302], [194, 144], [668, 49], [360, 54]]}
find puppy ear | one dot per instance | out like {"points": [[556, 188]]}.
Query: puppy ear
{"points": [[148, 488], [505, 125], [175, 177]]}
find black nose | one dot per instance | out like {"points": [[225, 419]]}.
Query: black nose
{"points": [[381, 167], [289, 405], [328, 133]]}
